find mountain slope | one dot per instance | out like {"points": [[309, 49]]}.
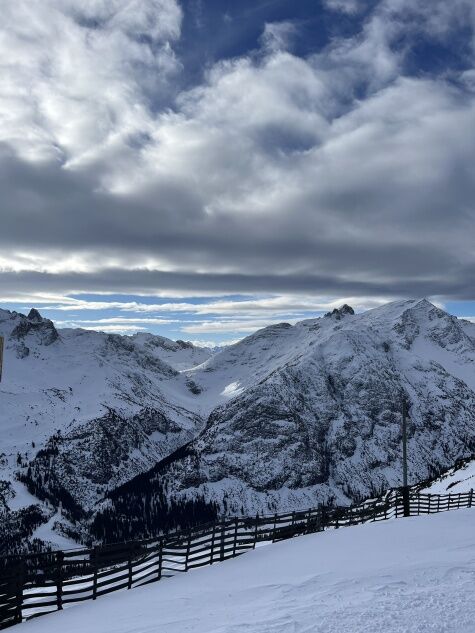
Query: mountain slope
{"points": [[459, 478], [82, 411], [311, 413], [288, 417]]}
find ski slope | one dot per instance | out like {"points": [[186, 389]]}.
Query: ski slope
{"points": [[416, 574]]}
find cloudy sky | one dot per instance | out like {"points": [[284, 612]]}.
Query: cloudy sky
{"points": [[200, 168]]}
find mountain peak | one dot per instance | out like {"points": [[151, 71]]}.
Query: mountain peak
{"points": [[34, 316], [423, 304], [34, 324], [338, 313], [346, 309]]}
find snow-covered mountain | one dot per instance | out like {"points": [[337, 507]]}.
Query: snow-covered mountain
{"points": [[311, 412], [100, 408], [286, 418]]}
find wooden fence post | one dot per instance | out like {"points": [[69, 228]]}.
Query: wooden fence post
{"points": [[273, 529], [19, 591], [59, 579], [213, 538], [223, 536], [307, 529], [406, 502], [160, 558], [318, 523], [129, 563], [470, 497], [94, 579], [323, 517], [236, 523], [256, 531], [188, 547], [316, 520]]}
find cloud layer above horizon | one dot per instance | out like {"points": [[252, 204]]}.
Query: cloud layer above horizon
{"points": [[329, 156]]}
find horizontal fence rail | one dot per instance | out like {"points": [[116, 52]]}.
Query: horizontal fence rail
{"points": [[36, 584]]}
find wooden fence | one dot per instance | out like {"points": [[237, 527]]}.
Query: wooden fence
{"points": [[36, 584]]}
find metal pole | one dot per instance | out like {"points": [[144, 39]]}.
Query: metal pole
{"points": [[404, 445], [405, 487], [1, 355]]}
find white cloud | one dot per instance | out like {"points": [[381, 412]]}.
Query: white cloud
{"points": [[278, 36], [345, 6], [76, 75], [217, 326], [116, 329], [339, 174], [202, 343], [114, 321], [275, 305]]}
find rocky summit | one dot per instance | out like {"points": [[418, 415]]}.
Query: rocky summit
{"points": [[112, 436]]}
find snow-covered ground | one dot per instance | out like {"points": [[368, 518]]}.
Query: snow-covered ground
{"points": [[454, 481], [406, 575]]}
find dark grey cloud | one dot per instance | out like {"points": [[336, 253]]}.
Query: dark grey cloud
{"points": [[271, 176], [48, 209], [456, 286]]}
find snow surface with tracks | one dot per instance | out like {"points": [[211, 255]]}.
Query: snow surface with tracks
{"points": [[400, 576]]}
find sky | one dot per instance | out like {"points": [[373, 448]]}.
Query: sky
{"points": [[201, 168]]}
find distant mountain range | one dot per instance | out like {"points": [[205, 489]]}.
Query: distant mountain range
{"points": [[120, 436]]}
